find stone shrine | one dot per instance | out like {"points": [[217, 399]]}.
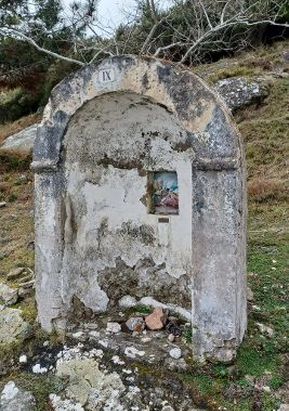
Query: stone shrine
{"points": [[140, 193]]}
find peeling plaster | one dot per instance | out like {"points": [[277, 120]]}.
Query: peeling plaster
{"points": [[95, 239]]}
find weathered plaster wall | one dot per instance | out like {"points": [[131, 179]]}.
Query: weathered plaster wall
{"points": [[114, 247], [94, 238], [218, 227], [49, 245]]}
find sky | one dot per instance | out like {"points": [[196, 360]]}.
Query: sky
{"points": [[113, 12]]}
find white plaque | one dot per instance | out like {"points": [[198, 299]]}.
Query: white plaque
{"points": [[106, 75]]}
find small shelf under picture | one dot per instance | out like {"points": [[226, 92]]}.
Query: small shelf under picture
{"points": [[163, 193]]}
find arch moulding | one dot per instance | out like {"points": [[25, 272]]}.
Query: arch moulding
{"points": [[212, 149]]}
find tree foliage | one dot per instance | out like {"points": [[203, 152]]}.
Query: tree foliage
{"points": [[26, 68]]}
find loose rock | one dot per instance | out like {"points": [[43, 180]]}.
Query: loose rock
{"points": [[12, 326], [14, 399], [88, 385], [58, 404], [23, 359], [286, 56], [78, 335], [8, 295], [22, 141], [157, 320], [265, 329], [250, 295], [3, 204], [113, 328], [25, 292], [135, 324], [176, 353], [174, 329], [37, 369], [15, 273], [133, 352], [127, 302], [27, 278], [27, 284]]}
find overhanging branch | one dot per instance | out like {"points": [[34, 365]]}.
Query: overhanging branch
{"points": [[8, 32]]}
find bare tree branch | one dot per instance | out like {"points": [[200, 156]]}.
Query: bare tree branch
{"points": [[8, 32], [226, 25], [214, 18], [224, 11], [205, 13], [186, 32]]}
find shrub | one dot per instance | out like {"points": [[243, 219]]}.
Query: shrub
{"points": [[16, 103], [14, 162]]}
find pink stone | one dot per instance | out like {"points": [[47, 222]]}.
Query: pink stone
{"points": [[157, 320]]}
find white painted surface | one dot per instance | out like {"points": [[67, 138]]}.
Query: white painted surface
{"points": [[118, 127]]}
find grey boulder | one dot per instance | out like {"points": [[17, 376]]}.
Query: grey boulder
{"points": [[14, 399], [239, 92], [12, 325], [21, 142], [8, 295]]}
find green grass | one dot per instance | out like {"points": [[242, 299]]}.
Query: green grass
{"points": [[142, 309], [231, 386], [260, 359]]}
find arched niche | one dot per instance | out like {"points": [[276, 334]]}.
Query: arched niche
{"points": [[140, 190]]}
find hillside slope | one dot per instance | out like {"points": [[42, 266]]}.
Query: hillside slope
{"points": [[259, 378], [265, 128]]}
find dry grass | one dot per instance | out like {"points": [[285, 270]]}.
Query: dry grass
{"points": [[16, 221], [266, 134], [260, 63], [8, 129], [253, 63], [238, 71], [13, 162], [265, 128], [262, 190]]}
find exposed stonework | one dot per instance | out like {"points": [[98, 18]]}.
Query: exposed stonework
{"points": [[103, 140]]}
